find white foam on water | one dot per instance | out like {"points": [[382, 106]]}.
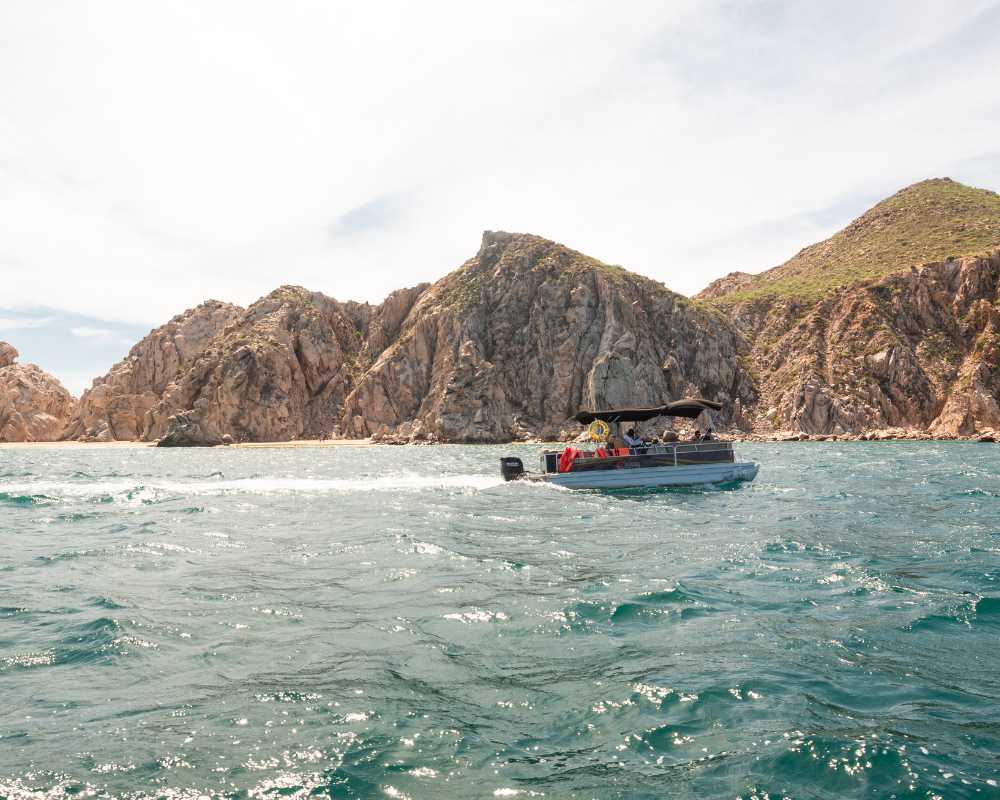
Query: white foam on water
{"points": [[151, 490]]}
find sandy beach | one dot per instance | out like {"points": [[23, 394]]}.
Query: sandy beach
{"points": [[117, 445]]}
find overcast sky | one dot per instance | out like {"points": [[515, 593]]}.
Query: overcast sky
{"points": [[153, 155]]}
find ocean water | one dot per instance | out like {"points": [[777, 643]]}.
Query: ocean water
{"points": [[398, 623]]}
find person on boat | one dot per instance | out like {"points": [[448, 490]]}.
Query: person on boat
{"points": [[632, 440], [668, 437]]}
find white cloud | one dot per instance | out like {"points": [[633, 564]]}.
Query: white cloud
{"points": [[25, 323], [155, 155], [91, 333]]}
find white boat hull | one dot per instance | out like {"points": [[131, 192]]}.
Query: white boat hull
{"points": [[651, 477]]}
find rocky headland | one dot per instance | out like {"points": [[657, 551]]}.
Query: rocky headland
{"points": [[524, 334], [34, 406], [889, 329], [508, 346]]}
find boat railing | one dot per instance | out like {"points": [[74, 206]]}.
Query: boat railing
{"points": [[676, 453], [683, 447]]}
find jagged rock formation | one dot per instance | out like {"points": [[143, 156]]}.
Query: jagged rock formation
{"points": [[508, 346], [892, 338], [34, 406], [526, 333], [891, 323], [118, 404], [280, 371], [918, 349]]}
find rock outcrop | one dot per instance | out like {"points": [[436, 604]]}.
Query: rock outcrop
{"points": [[508, 346], [892, 324], [918, 349], [8, 354], [280, 371], [524, 334], [887, 343], [117, 405], [34, 406], [933, 220]]}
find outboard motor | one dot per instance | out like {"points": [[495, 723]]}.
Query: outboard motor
{"points": [[511, 468]]}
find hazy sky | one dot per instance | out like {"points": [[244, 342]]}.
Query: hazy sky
{"points": [[153, 155]]}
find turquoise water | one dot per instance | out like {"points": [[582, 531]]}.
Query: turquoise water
{"points": [[396, 622]]}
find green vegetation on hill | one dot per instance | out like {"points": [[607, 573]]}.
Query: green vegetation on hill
{"points": [[929, 221]]}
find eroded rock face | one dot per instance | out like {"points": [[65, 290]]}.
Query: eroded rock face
{"points": [[511, 345], [34, 406], [918, 349], [280, 371], [185, 430], [524, 334], [118, 404]]}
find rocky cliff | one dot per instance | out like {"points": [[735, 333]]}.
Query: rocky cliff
{"points": [[34, 406], [876, 328], [117, 406], [280, 371], [890, 323], [510, 345], [528, 331]]}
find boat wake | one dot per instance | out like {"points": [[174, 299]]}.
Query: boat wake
{"points": [[47, 492]]}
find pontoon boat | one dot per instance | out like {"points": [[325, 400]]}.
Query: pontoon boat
{"points": [[610, 465]]}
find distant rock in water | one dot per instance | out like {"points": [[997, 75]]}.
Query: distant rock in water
{"points": [[34, 406], [118, 404], [184, 429], [527, 332]]}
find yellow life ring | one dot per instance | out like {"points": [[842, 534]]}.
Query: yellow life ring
{"points": [[598, 430]]}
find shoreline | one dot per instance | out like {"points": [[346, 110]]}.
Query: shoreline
{"points": [[293, 443], [987, 438]]}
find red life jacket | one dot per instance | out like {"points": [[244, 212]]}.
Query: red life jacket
{"points": [[567, 457]]}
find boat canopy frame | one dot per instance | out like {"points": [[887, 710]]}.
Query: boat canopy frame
{"points": [[689, 408]]}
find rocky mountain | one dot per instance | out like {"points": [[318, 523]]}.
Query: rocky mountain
{"points": [[524, 334], [510, 345], [894, 322], [280, 371], [34, 406], [118, 405], [891, 323]]}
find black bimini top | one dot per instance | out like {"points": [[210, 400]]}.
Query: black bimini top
{"points": [[689, 408]]}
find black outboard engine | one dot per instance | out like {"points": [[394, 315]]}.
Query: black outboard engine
{"points": [[511, 468]]}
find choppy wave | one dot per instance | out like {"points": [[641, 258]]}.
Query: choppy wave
{"points": [[399, 623]]}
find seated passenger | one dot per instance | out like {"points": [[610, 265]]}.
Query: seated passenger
{"points": [[668, 437], [632, 440]]}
